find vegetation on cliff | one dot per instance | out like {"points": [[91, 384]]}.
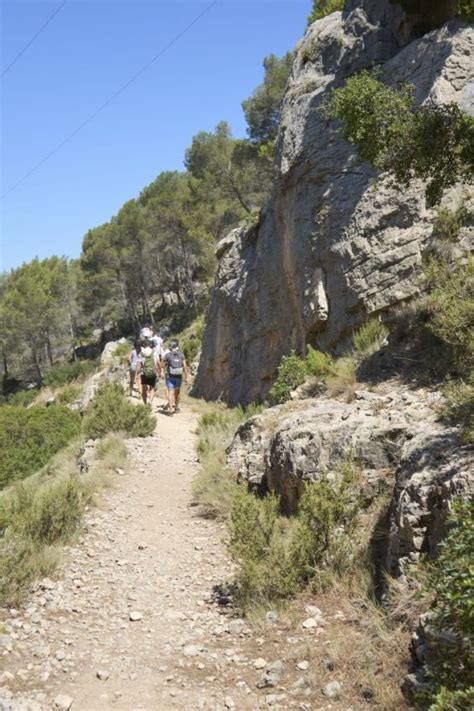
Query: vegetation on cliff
{"points": [[403, 139]]}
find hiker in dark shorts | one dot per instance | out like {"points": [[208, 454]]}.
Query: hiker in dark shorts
{"points": [[175, 368], [149, 368]]}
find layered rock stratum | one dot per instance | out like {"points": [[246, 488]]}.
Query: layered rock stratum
{"points": [[333, 246]]}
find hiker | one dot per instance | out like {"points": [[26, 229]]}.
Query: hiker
{"points": [[175, 367], [157, 341], [146, 332], [132, 366], [149, 368]]}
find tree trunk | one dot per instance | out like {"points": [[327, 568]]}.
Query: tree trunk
{"points": [[49, 350], [34, 353]]}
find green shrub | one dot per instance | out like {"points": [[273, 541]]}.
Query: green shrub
{"points": [[321, 8], [68, 394], [448, 223], [458, 407], [451, 664], [110, 411], [191, 346], [123, 352], [63, 373], [50, 514], [451, 304], [292, 372], [319, 364], [369, 337], [257, 546], [275, 555], [446, 700], [28, 438], [33, 517], [23, 398], [465, 10]]}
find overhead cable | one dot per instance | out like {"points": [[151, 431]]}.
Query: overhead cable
{"points": [[22, 52], [110, 99]]}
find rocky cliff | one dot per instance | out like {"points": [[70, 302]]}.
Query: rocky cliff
{"points": [[332, 247]]}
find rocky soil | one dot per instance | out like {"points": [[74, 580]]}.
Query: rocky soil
{"points": [[137, 617]]}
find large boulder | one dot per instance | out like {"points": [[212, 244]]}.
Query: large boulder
{"points": [[392, 435], [332, 247]]}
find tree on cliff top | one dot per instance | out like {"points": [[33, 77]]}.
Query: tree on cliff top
{"points": [[262, 110]]}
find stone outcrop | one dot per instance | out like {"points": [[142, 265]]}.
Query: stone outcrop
{"points": [[332, 247], [392, 434]]}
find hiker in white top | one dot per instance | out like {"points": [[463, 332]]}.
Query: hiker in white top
{"points": [[149, 367], [157, 344]]}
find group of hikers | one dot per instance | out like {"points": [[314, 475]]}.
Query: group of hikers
{"points": [[149, 361]]}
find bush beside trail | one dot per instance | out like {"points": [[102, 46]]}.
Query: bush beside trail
{"points": [[110, 411], [29, 438]]}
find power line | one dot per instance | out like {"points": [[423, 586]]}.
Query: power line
{"points": [[110, 99], [22, 52]]}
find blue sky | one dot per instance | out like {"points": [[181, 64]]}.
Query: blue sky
{"points": [[89, 50]]}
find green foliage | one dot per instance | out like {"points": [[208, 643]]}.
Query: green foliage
{"points": [[430, 142], [262, 110], [446, 700], [38, 311], [458, 407], [451, 664], [451, 304], [29, 437], [44, 511], [110, 411], [49, 515], [321, 8], [465, 10], [448, 223], [277, 556], [369, 337], [319, 364], [292, 372], [63, 373], [68, 394], [23, 398]]}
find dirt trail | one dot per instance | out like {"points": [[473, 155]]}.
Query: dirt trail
{"points": [[145, 553]]}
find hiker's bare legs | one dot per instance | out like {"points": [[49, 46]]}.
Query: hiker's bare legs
{"points": [[151, 393], [132, 382], [144, 392], [176, 397]]}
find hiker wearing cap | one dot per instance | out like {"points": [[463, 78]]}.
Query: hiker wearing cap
{"points": [[149, 367], [175, 368]]}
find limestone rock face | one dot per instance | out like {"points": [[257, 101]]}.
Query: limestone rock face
{"points": [[332, 247]]}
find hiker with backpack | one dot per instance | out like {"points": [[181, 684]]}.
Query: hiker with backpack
{"points": [[132, 366], [149, 368], [175, 368]]}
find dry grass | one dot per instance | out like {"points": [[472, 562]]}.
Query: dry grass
{"points": [[215, 482], [343, 381]]}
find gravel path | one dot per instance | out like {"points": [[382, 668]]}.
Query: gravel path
{"points": [[133, 620]]}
